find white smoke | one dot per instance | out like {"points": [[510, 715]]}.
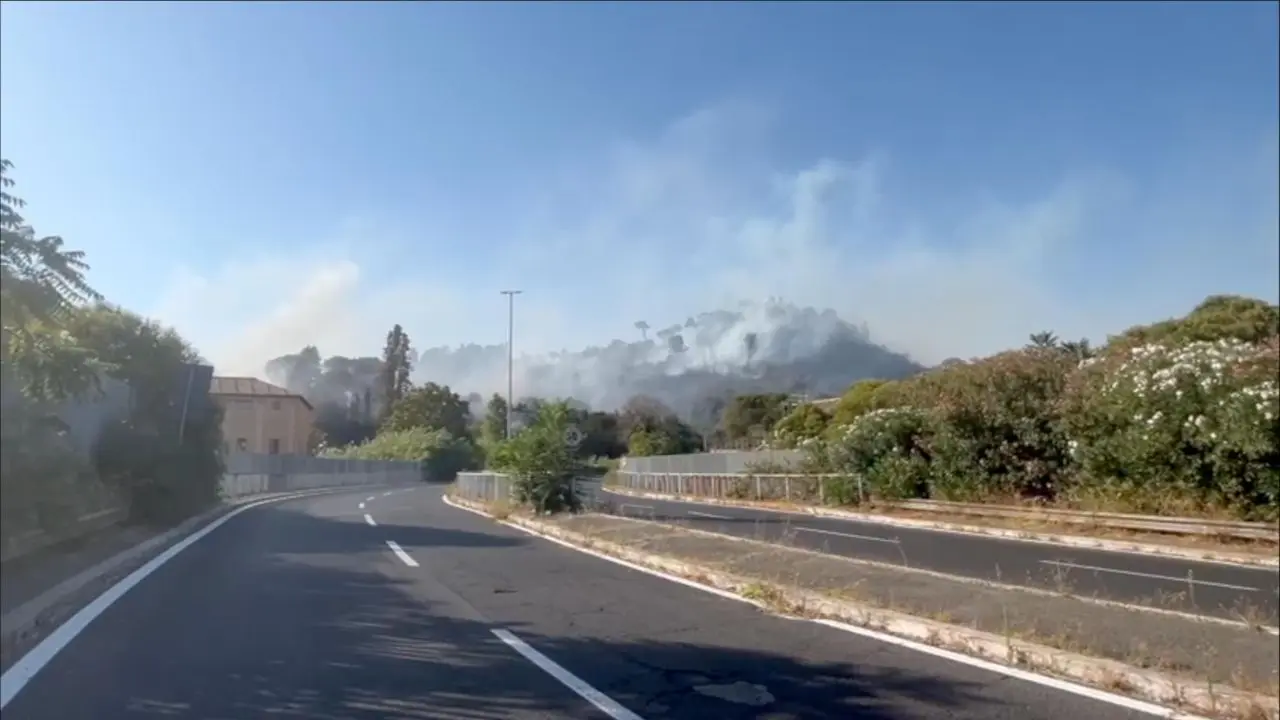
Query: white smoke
{"points": [[700, 219]]}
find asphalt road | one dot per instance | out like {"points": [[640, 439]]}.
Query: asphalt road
{"points": [[306, 609], [1205, 588]]}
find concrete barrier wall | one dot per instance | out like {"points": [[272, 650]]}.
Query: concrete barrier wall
{"points": [[485, 487], [253, 474]]}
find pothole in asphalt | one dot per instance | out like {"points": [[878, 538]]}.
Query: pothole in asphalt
{"points": [[740, 693]]}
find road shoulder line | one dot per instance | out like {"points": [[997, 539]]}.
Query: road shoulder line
{"points": [[895, 628], [16, 676]]}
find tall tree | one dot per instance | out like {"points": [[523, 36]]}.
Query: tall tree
{"points": [[393, 380], [495, 419], [431, 406]]}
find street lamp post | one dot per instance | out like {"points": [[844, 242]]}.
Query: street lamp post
{"points": [[511, 326]]}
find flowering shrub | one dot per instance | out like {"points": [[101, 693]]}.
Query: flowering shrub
{"points": [[806, 422], [887, 449], [1172, 428]]}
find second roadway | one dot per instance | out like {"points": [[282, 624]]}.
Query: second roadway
{"points": [[1206, 588]]}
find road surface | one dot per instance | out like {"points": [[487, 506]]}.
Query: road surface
{"points": [[398, 606], [1215, 589]]}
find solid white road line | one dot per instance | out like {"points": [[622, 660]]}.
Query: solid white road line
{"points": [[848, 535], [1134, 704], [369, 519], [606, 704], [695, 513], [400, 553], [21, 672], [1172, 578]]}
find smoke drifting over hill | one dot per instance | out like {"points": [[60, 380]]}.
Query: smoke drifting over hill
{"points": [[768, 347]]}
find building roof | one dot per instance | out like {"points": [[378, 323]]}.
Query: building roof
{"points": [[250, 386], [827, 404]]}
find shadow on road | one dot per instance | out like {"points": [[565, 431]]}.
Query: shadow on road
{"points": [[298, 635], [292, 531]]}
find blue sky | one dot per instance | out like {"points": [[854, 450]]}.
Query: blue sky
{"points": [[266, 175]]}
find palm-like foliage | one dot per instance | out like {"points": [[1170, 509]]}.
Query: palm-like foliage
{"points": [[41, 284], [41, 281]]}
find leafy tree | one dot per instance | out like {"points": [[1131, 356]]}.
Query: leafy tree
{"points": [[752, 417], [393, 378], [804, 423], [643, 327], [166, 475], [1218, 317], [525, 412], [543, 465], [431, 406], [642, 410], [601, 435], [863, 397], [339, 427], [299, 373], [645, 443], [41, 284], [494, 429], [40, 280]]}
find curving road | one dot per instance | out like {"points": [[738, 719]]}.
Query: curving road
{"points": [[1207, 588], [398, 606]]}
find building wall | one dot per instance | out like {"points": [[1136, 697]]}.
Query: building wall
{"points": [[250, 424]]}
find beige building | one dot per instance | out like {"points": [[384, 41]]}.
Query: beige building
{"points": [[259, 417]]}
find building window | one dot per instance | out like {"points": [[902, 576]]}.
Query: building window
{"points": [[274, 446], [242, 445], [275, 404]]}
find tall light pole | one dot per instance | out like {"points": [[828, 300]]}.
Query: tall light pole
{"points": [[511, 331]]}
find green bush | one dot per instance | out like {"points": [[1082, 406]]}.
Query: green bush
{"points": [[442, 455], [996, 431], [806, 422], [1181, 416], [888, 450], [543, 465], [1173, 429]]}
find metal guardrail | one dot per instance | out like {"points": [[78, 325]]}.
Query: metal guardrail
{"points": [[813, 489], [1126, 521]]}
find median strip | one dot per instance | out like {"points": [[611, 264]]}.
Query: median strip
{"points": [[1218, 669], [1264, 556]]}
